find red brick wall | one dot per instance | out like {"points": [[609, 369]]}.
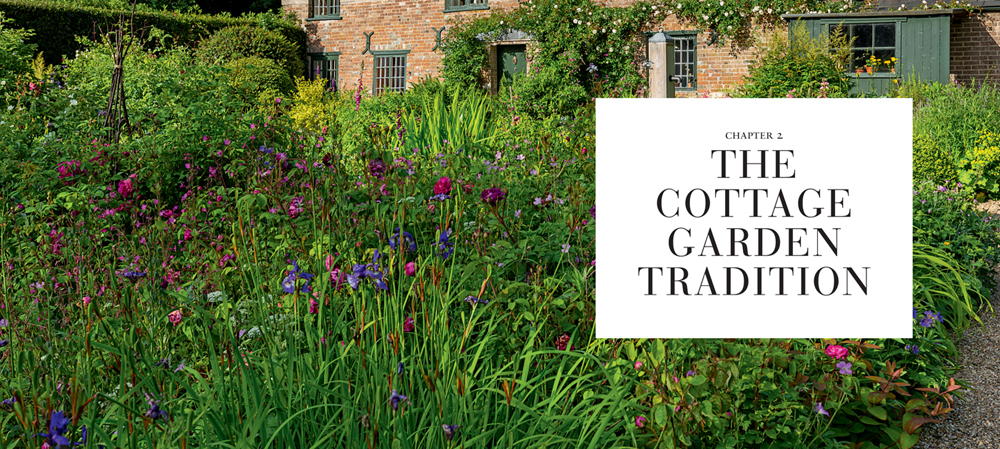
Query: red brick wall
{"points": [[975, 52], [406, 25]]}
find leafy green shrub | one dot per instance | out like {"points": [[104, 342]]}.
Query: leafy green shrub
{"points": [[235, 42], [259, 79], [57, 25], [931, 163], [312, 105], [15, 52], [979, 168], [798, 66]]}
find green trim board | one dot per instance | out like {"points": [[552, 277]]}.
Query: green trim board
{"points": [[328, 67], [324, 10], [465, 5]]}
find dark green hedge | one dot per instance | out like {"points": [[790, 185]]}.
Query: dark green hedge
{"points": [[56, 24]]}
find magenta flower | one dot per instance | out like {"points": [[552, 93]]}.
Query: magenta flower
{"points": [[408, 325], [125, 188], [836, 351], [411, 269], [443, 186], [175, 317], [492, 196], [640, 421]]}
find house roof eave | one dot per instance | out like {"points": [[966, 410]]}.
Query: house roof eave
{"points": [[872, 14]]}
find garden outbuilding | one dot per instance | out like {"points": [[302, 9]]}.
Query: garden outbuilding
{"points": [[933, 43]]}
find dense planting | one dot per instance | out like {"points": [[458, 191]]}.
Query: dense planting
{"points": [[337, 270]]}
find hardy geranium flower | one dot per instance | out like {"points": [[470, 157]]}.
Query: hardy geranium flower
{"points": [[930, 318], [819, 409], [836, 351], [492, 196], [844, 367], [640, 421]]}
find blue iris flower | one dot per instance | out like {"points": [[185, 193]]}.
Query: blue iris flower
{"points": [[57, 428], [445, 248], [367, 271], [411, 243]]}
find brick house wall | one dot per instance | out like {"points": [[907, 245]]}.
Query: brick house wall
{"points": [[409, 25], [975, 47]]}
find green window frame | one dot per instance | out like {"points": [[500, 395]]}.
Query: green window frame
{"points": [[389, 73], [465, 5], [685, 59], [326, 66], [873, 38], [324, 10]]}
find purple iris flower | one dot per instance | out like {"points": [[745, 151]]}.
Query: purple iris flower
{"points": [[154, 411], [445, 248], [449, 430], [57, 428], [367, 271], [133, 276], [395, 398], [407, 239]]}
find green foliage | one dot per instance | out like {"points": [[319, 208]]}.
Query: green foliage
{"points": [[931, 163], [798, 66], [259, 80], [956, 118], [979, 169], [312, 105], [57, 25], [735, 21], [580, 48], [245, 41], [944, 219], [467, 122], [15, 51]]}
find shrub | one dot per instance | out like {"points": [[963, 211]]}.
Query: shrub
{"points": [[944, 219], [931, 163], [15, 52], [798, 65], [235, 42], [57, 25], [259, 79], [979, 168], [311, 104]]}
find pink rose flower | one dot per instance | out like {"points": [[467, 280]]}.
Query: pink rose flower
{"points": [[411, 269], [836, 351], [125, 188], [175, 317]]}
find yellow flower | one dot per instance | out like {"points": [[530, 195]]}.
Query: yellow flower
{"points": [[946, 243]]}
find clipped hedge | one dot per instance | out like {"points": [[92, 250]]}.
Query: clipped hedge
{"points": [[57, 24], [931, 162], [244, 41], [259, 79]]}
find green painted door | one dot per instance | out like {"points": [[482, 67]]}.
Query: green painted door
{"points": [[512, 61]]}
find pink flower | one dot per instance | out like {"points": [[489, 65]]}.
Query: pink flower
{"points": [[411, 269], [408, 324], [313, 305], [86, 301], [443, 186], [125, 188], [187, 235], [640, 421], [176, 316], [836, 351], [638, 364]]}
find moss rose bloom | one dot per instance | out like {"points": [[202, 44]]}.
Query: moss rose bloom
{"points": [[836, 351], [493, 196]]}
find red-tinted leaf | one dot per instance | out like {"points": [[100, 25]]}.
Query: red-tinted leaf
{"points": [[913, 424]]}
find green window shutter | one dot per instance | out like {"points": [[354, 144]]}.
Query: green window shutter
{"points": [[926, 48]]}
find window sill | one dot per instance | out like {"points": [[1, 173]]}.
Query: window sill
{"points": [[329, 17], [448, 9]]}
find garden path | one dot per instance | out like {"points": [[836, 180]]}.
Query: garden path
{"points": [[975, 421]]}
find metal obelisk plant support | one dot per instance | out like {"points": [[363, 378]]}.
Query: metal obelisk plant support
{"points": [[116, 119]]}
